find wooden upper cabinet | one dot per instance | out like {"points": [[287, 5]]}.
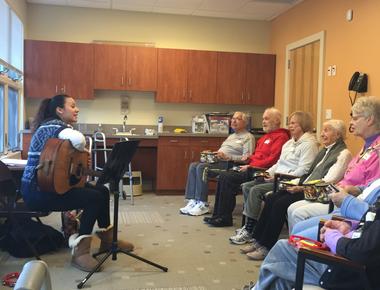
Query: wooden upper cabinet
{"points": [[231, 77], [141, 69], [201, 80], [109, 67], [58, 68], [77, 74], [172, 75], [42, 68], [260, 79]]}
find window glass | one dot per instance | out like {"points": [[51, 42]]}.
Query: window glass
{"points": [[17, 42], [4, 30], [1, 118], [13, 119]]}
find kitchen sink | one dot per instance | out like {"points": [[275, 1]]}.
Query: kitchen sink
{"points": [[126, 134]]}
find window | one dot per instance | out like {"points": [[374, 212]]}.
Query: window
{"points": [[11, 83]]}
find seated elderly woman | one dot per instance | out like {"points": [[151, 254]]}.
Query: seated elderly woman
{"points": [[278, 271], [296, 158], [236, 147], [329, 165], [364, 168]]}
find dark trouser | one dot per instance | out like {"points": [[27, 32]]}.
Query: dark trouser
{"points": [[93, 200], [225, 196], [272, 218]]}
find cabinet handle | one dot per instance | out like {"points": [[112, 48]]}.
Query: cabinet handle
{"points": [[173, 141], [249, 96], [242, 96], [129, 81], [192, 155], [64, 89], [122, 80], [190, 94], [185, 155], [56, 89], [204, 141]]}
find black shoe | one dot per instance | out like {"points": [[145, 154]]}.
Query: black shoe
{"points": [[220, 222], [207, 219]]}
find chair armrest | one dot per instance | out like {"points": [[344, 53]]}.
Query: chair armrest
{"points": [[327, 258]]}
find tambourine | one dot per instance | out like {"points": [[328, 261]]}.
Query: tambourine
{"points": [[303, 242]]}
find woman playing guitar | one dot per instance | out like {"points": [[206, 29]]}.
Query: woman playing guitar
{"points": [[54, 119]]}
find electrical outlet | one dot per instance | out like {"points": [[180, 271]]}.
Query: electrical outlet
{"points": [[328, 114], [333, 70], [329, 71]]}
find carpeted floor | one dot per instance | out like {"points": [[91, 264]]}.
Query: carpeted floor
{"points": [[198, 257]]}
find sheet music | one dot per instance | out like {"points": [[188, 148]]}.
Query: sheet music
{"points": [[14, 162]]}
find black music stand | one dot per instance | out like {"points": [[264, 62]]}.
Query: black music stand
{"points": [[113, 171]]}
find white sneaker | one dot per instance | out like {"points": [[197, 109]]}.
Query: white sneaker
{"points": [[199, 209], [241, 238], [239, 229], [189, 206]]}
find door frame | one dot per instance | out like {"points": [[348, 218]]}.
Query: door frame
{"points": [[320, 36]]}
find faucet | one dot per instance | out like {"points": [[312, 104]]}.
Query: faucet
{"points": [[116, 130], [125, 122]]}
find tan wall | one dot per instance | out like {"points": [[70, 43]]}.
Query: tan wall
{"points": [[85, 25], [351, 46]]}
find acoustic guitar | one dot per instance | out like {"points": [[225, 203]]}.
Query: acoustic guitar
{"points": [[62, 167]]}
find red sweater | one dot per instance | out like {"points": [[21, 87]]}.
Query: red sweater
{"points": [[268, 148]]}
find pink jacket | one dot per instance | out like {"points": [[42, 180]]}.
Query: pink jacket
{"points": [[364, 167]]}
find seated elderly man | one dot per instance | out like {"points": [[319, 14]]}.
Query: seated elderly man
{"points": [[266, 154], [364, 168], [296, 158], [359, 242], [329, 166], [236, 147]]}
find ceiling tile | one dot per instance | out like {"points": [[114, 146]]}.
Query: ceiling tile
{"points": [[168, 10], [183, 4], [222, 5], [50, 2]]}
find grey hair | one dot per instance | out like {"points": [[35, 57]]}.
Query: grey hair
{"points": [[368, 107], [338, 126], [244, 116], [304, 119], [276, 114]]}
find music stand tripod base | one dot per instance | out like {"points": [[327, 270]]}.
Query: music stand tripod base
{"points": [[113, 171]]}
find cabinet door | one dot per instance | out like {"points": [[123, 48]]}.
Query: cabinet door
{"points": [[77, 70], [260, 79], [109, 67], [141, 68], [197, 145], [201, 81], [172, 163], [231, 77], [42, 69], [172, 75]]}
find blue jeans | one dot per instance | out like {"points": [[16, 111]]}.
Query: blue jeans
{"points": [[196, 188], [278, 270]]}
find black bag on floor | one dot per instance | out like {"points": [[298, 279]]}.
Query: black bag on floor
{"points": [[43, 238]]}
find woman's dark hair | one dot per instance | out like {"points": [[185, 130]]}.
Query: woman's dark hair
{"points": [[47, 110]]}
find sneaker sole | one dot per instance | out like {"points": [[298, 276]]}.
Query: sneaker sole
{"points": [[198, 214], [238, 242]]}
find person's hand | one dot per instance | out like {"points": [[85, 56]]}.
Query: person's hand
{"points": [[222, 156], [294, 189], [338, 197], [353, 190], [268, 177], [245, 157], [243, 168], [342, 226]]}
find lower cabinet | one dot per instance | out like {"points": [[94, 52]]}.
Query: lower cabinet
{"points": [[174, 154]]}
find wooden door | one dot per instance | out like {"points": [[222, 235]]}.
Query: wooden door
{"points": [[201, 81], [42, 69], [304, 69], [77, 70], [260, 79], [231, 77], [172, 163], [172, 75], [141, 68], [109, 67]]}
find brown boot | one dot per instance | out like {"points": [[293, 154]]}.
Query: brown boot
{"points": [[105, 236], [81, 257]]}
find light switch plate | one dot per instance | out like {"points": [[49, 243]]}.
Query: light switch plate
{"points": [[328, 114]]}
